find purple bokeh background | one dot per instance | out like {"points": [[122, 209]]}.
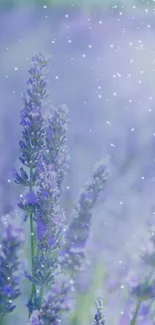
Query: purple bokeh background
{"points": [[103, 68]]}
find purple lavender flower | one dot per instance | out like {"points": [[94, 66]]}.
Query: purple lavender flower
{"points": [[56, 141], [56, 301], [35, 318], [44, 155], [31, 115], [50, 218], [99, 316], [32, 143], [11, 240], [78, 229]]}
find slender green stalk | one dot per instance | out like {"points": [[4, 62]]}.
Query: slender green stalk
{"points": [[32, 250], [134, 319], [32, 241], [41, 295]]}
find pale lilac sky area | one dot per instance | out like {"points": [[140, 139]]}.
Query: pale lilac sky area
{"points": [[103, 68]]}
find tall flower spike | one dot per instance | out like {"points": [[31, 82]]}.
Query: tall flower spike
{"points": [[11, 241], [56, 141], [31, 114], [32, 142], [78, 230], [50, 220]]}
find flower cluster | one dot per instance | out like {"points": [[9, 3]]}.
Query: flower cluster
{"points": [[44, 157], [11, 241], [78, 229], [57, 152]]}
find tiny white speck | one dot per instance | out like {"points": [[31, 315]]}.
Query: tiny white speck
{"points": [[122, 312], [150, 110], [122, 286], [6, 76], [84, 55], [142, 177], [90, 46], [9, 180], [121, 202], [44, 7], [99, 96], [100, 22], [56, 77], [120, 262], [69, 41], [15, 68], [67, 187], [132, 130], [66, 16], [114, 94], [111, 45]]}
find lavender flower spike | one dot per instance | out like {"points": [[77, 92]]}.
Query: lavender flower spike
{"points": [[99, 316], [78, 230], [11, 240], [32, 120]]}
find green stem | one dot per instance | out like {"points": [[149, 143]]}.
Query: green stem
{"points": [[41, 295], [134, 319], [32, 241], [32, 250]]}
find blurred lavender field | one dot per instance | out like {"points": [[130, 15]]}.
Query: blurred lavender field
{"points": [[103, 68]]}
